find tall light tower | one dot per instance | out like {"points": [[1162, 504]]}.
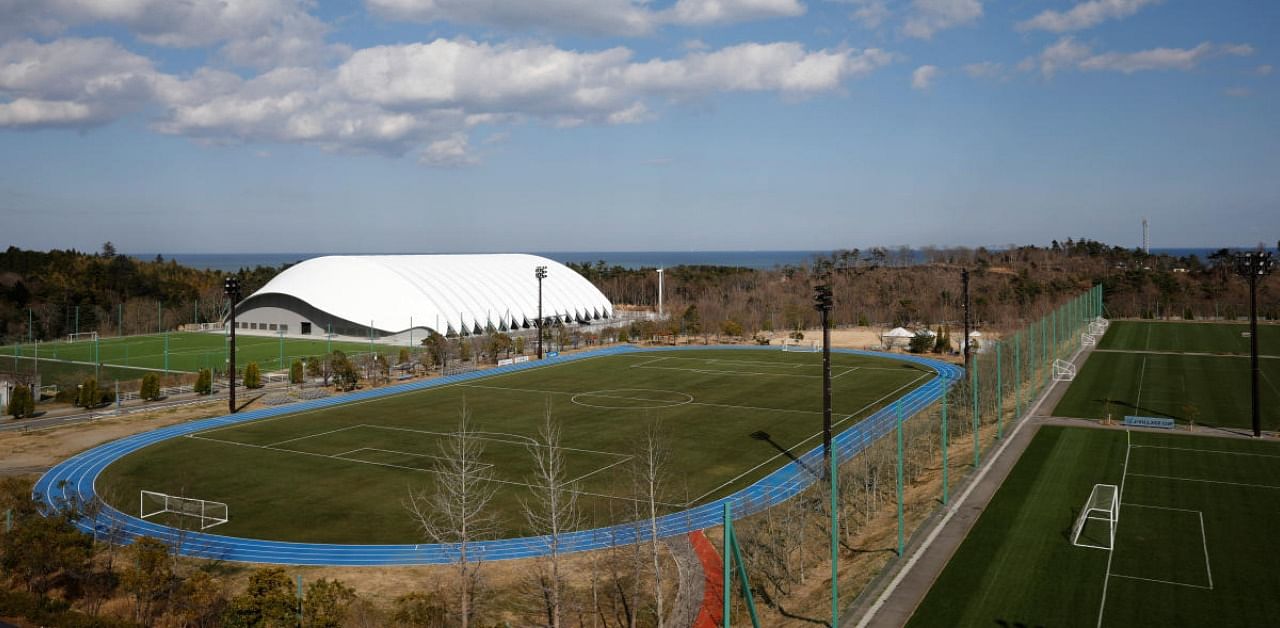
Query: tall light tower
{"points": [[660, 292], [541, 273], [964, 279], [1254, 266], [1146, 239], [231, 287]]}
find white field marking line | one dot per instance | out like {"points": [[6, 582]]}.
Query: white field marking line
{"points": [[671, 403], [648, 362], [1194, 354], [1170, 477], [1269, 382], [726, 372], [725, 361], [604, 468], [523, 443], [1203, 541], [1032, 411], [1208, 451], [396, 466], [1115, 532], [1137, 403], [341, 429], [691, 403], [845, 373], [798, 444], [402, 453], [1181, 584]]}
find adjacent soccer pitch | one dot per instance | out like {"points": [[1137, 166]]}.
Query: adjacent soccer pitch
{"points": [[1183, 371], [1194, 545], [179, 352], [342, 474]]}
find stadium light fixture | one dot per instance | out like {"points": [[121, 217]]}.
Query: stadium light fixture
{"points": [[1253, 266], [231, 288], [541, 273]]}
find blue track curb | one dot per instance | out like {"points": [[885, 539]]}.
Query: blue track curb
{"points": [[74, 479]]}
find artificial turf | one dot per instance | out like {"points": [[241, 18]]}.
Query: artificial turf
{"points": [[186, 351], [1183, 371], [342, 474], [1191, 544]]}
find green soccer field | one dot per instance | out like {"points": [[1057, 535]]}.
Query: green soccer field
{"points": [[180, 352], [341, 475], [1183, 371], [1193, 544]]}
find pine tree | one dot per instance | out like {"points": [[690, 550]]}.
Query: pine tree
{"points": [[88, 396], [204, 382], [252, 376], [150, 390], [21, 404]]}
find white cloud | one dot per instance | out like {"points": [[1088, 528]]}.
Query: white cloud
{"points": [[871, 13], [70, 82], [1084, 15], [1239, 50], [257, 33], [930, 16], [923, 76], [724, 11], [1067, 53], [593, 17], [985, 70], [1264, 70]]}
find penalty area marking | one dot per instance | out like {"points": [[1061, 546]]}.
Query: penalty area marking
{"points": [[1208, 572]]}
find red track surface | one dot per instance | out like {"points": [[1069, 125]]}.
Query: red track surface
{"points": [[712, 611]]}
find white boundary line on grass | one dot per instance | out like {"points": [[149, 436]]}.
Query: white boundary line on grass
{"points": [[1170, 477], [1137, 403], [1204, 542], [1207, 451], [1128, 446]]}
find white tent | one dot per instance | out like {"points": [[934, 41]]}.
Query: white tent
{"points": [[898, 334]]}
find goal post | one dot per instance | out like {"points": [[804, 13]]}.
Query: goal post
{"points": [[210, 513], [1104, 506], [1063, 371], [801, 346], [84, 336], [1088, 340]]}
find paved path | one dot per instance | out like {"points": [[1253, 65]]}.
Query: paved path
{"points": [[1203, 354]]}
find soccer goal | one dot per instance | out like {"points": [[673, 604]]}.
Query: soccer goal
{"points": [[1104, 506], [210, 513], [801, 346], [1088, 340], [84, 336], [1063, 371], [1098, 326]]}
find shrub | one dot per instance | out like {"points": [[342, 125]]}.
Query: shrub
{"points": [[295, 372], [150, 390], [204, 382], [22, 404], [252, 376], [88, 396]]}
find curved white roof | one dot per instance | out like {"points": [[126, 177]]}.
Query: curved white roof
{"points": [[460, 291]]}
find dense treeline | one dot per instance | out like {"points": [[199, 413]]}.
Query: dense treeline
{"points": [[68, 291], [889, 288]]}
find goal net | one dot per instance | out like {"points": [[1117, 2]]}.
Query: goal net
{"points": [[1063, 371], [1088, 340], [1103, 506], [1098, 326], [84, 336], [801, 346], [210, 513]]}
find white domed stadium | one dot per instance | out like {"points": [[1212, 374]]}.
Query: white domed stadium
{"points": [[387, 295]]}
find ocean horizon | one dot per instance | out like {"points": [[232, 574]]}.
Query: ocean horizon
{"points": [[760, 260]]}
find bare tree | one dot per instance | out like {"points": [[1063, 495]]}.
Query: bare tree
{"points": [[456, 513], [649, 470], [551, 512]]}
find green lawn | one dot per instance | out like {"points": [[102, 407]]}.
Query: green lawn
{"points": [[342, 474], [1193, 546], [1176, 370], [187, 351]]}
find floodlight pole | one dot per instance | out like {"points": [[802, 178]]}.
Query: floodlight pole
{"points": [[1252, 266], [822, 302], [231, 287], [541, 273], [964, 278], [660, 293]]}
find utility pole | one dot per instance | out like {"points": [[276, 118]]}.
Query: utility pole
{"points": [[1253, 266], [231, 287], [660, 292], [822, 302], [964, 278], [541, 273]]}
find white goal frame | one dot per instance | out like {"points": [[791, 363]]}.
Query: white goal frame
{"points": [[1103, 505], [801, 346], [210, 513], [1063, 371], [89, 336], [1088, 340]]}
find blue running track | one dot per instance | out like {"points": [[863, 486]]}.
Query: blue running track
{"points": [[73, 480]]}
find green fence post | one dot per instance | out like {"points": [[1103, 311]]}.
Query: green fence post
{"points": [[329, 336], [728, 574], [1017, 375], [282, 349], [77, 320], [900, 522], [159, 316], [166, 353], [999, 394], [120, 320], [944, 446]]}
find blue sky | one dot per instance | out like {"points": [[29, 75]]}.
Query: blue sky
{"points": [[457, 125]]}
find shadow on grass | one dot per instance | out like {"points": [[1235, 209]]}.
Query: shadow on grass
{"points": [[762, 435]]}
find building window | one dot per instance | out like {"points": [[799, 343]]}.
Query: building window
{"points": [[273, 326], [284, 327], [306, 329]]}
